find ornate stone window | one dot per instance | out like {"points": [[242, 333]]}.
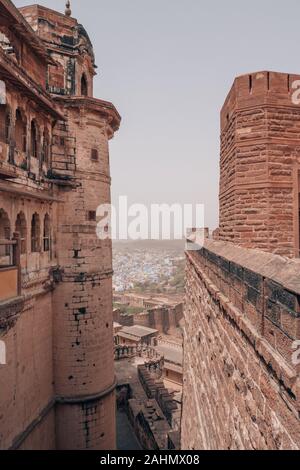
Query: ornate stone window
{"points": [[84, 85], [92, 216], [20, 132], [4, 232], [46, 147], [35, 233], [21, 228], [47, 233], [34, 140], [94, 155]]}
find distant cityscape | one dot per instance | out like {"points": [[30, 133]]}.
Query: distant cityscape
{"points": [[156, 267]]}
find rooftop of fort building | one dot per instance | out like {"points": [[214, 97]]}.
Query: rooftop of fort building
{"points": [[137, 332]]}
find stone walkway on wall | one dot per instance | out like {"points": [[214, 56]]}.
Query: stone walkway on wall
{"points": [[153, 433], [126, 372], [126, 439]]}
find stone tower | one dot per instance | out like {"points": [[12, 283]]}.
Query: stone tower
{"points": [[260, 163], [242, 306], [83, 337]]}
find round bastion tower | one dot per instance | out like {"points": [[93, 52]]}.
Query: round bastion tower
{"points": [[82, 299]]}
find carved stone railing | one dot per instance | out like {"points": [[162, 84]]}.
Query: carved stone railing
{"points": [[154, 361]]}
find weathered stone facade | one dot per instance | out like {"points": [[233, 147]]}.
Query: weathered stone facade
{"points": [[242, 312], [57, 388]]}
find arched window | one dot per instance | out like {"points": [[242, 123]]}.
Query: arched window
{"points": [[3, 123], [4, 232], [20, 132], [7, 126], [84, 85], [46, 147], [2, 92], [34, 142], [35, 233], [47, 233], [21, 228], [94, 155]]}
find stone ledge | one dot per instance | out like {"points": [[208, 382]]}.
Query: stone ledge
{"points": [[81, 400], [282, 270], [284, 373], [87, 276]]}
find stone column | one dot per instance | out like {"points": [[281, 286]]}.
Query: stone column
{"points": [[83, 317]]}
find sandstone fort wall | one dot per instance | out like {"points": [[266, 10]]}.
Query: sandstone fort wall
{"points": [[242, 318]]}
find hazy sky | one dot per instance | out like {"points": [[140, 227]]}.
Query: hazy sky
{"points": [[168, 65]]}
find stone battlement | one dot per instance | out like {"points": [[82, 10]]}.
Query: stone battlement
{"points": [[257, 89]]}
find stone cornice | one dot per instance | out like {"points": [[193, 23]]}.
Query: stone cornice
{"points": [[27, 194], [78, 400], [104, 108], [87, 277]]}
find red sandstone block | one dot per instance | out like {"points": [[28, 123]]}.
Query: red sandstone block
{"points": [[290, 324], [279, 340]]}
